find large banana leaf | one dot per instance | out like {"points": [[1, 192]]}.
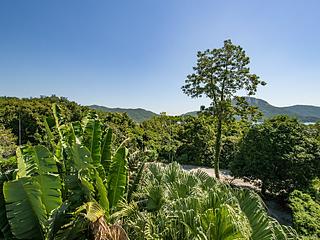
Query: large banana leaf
{"points": [[39, 162], [87, 184], [57, 114], [58, 118], [50, 187], [49, 133], [5, 231], [106, 150], [35, 160], [81, 156], [92, 138], [77, 129], [25, 211], [117, 176], [102, 193]]}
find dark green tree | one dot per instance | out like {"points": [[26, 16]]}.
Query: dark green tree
{"points": [[160, 134], [196, 140], [25, 116], [219, 75], [281, 154]]}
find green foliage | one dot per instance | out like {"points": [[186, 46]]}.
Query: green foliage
{"points": [[31, 198], [92, 135], [190, 140], [117, 177], [219, 75], [122, 126], [106, 150], [280, 153], [306, 214], [8, 164], [161, 134], [173, 204], [56, 186], [24, 208], [315, 189], [7, 150], [197, 141], [314, 130], [7, 142], [31, 112]]}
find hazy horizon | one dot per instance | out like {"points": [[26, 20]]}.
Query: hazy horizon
{"points": [[137, 54]]}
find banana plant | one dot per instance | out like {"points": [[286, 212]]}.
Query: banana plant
{"points": [[88, 150], [81, 166], [33, 194]]}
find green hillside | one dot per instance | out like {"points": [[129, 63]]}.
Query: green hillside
{"points": [[304, 113], [137, 114]]}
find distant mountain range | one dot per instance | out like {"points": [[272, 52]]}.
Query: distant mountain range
{"points": [[137, 114], [305, 113]]}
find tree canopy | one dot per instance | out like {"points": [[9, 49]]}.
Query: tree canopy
{"points": [[219, 75], [281, 153]]}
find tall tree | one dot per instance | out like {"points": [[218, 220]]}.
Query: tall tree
{"points": [[219, 75]]}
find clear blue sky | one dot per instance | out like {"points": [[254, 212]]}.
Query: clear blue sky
{"points": [[137, 53]]}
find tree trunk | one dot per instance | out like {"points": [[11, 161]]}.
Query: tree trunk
{"points": [[217, 147]]}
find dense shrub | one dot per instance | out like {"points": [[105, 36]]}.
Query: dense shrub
{"points": [[161, 134], [281, 154], [173, 204], [7, 142], [197, 141], [306, 213], [8, 164], [7, 150]]}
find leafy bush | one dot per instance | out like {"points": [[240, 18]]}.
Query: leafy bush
{"points": [[197, 141], [280, 153], [306, 214], [8, 164], [7, 142]]}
